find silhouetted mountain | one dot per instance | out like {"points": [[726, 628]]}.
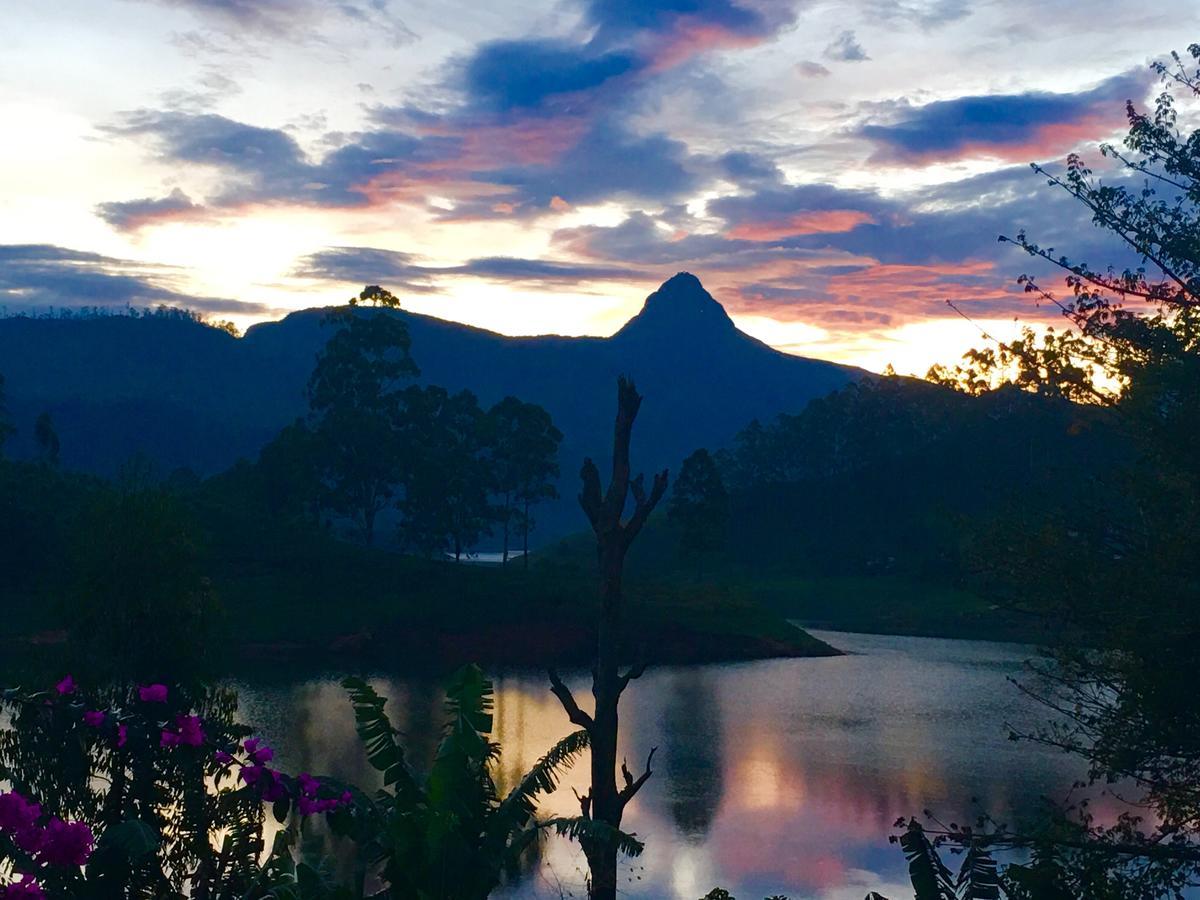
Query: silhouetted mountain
{"points": [[185, 394]]}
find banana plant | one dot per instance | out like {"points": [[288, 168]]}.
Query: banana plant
{"points": [[450, 835]]}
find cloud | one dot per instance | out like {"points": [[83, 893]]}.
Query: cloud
{"points": [[267, 166], [36, 276], [926, 14], [400, 270], [130, 215], [292, 18], [1013, 127], [810, 69], [828, 255], [524, 74], [670, 31], [845, 47], [607, 163], [747, 168]]}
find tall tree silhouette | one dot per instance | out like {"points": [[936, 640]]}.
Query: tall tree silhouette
{"points": [[604, 804], [355, 403], [700, 507], [447, 479], [524, 447]]}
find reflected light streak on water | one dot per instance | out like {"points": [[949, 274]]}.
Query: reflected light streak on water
{"points": [[776, 777]]}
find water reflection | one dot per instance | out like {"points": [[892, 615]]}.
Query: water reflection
{"points": [[775, 777]]}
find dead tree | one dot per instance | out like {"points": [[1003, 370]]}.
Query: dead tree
{"points": [[605, 802]]}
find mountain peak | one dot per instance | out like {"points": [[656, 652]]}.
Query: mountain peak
{"points": [[681, 308]]}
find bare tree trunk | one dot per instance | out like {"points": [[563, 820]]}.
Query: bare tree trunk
{"points": [[605, 803]]}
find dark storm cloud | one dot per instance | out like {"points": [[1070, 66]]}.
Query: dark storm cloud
{"points": [[1012, 126], [42, 275]]}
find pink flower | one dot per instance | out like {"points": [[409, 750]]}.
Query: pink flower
{"points": [[93, 718], [66, 843], [66, 686], [153, 693], [25, 889]]}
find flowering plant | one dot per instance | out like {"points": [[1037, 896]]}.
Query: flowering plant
{"points": [[130, 783]]}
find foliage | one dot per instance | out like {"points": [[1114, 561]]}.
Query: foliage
{"points": [[6, 427], [139, 602], [1114, 567], [134, 770], [286, 477], [522, 447], [355, 402], [449, 834], [1060, 861], [699, 506], [46, 439], [153, 790], [447, 481]]}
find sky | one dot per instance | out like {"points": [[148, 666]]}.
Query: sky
{"points": [[833, 172]]}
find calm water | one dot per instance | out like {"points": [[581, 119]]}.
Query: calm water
{"points": [[772, 777]]}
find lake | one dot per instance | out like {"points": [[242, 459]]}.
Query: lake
{"points": [[775, 777]]}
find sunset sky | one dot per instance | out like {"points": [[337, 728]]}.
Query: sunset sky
{"points": [[831, 171]]}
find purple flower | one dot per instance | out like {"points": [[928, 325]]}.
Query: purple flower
{"points": [[168, 739], [190, 730], [122, 734], [251, 774], [94, 718], [273, 789], [223, 757], [153, 693], [309, 806], [25, 889], [66, 686], [16, 813], [66, 843], [258, 751], [308, 784]]}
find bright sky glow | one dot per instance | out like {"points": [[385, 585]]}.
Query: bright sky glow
{"points": [[832, 172]]}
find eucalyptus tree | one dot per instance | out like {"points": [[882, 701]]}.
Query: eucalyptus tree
{"points": [[356, 400], [523, 447]]}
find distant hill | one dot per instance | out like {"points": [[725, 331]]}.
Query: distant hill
{"points": [[188, 395]]}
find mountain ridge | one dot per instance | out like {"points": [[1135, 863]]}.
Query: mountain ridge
{"points": [[192, 396]]}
